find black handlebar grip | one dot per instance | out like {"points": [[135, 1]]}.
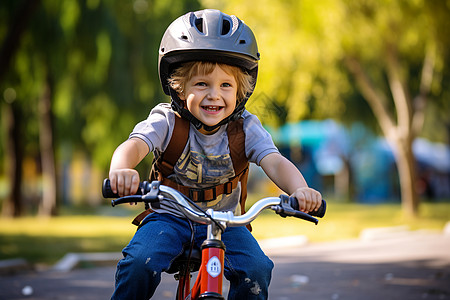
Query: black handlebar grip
{"points": [[321, 211], [144, 188], [107, 191], [318, 213]]}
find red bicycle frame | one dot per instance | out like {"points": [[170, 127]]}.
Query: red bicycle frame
{"points": [[210, 278], [208, 284]]}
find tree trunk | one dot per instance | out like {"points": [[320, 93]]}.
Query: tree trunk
{"points": [[400, 135], [407, 176], [342, 180], [12, 206], [48, 205]]}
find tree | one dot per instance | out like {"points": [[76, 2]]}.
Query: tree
{"points": [[397, 22], [12, 112], [84, 73], [394, 52]]}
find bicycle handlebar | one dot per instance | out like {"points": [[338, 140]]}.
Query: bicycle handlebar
{"points": [[151, 193]]}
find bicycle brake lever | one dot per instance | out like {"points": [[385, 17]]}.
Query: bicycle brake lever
{"points": [[152, 195], [125, 199]]}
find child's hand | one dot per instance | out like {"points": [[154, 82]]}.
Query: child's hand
{"points": [[308, 199], [124, 181]]}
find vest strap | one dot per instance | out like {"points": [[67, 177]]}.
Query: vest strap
{"points": [[207, 194]]}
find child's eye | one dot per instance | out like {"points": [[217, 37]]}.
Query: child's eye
{"points": [[226, 84], [200, 83]]}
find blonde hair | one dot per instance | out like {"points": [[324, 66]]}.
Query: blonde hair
{"points": [[183, 74]]}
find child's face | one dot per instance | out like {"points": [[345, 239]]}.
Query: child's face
{"points": [[211, 97]]}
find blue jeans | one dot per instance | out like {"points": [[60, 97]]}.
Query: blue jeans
{"points": [[161, 238]]}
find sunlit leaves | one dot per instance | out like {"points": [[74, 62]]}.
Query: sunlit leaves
{"points": [[102, 122], [299, 47], [63, 99], [99, 71], [69, 15]]}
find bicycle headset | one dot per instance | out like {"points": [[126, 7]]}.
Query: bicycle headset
{"points": [[207, 35]]}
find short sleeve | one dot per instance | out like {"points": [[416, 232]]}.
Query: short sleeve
{"points": [[157, 129], [258, 142]]}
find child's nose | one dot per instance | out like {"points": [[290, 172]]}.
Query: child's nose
{"points": [[214, 93]]}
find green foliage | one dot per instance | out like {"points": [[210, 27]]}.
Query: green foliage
{"points": [[303, 45], [299, 49], [101, 57]]}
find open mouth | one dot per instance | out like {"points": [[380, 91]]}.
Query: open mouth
{"points": [[212, 108]]}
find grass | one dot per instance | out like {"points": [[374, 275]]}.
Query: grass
{"points": [[346, 221], [44, 241]]}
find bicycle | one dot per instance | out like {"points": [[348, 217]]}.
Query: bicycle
{"points": [[210, 261]]}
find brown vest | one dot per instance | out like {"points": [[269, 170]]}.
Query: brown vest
{"points": [[163, 165]]}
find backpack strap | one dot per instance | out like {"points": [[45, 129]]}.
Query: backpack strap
{"points": [[163, 165], [206, 194], [236, 142]]}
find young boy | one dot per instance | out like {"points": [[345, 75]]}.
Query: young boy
{"points": [[208, 65]]}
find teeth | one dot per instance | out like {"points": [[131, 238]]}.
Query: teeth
{"points": [[212, 108]]}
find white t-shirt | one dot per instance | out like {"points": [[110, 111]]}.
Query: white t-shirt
{"points": [[206, 159]]}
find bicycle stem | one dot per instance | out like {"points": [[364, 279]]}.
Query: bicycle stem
{"points": [[215, 229]]}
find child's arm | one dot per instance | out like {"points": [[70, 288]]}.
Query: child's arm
{"points": [[124, 179], [288, 178]]}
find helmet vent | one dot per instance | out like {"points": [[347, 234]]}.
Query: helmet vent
{"points": [[199, 24], [226, 26], [242, 42]]}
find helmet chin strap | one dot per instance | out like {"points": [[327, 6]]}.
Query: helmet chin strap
{"points": [[177, 106]]}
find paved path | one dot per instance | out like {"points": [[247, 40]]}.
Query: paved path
{"points": [[405, 265]]}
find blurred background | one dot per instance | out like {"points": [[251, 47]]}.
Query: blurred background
{"points": [[355, 93]]}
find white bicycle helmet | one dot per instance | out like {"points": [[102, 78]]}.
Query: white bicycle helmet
{"points": [[207, 35]]}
